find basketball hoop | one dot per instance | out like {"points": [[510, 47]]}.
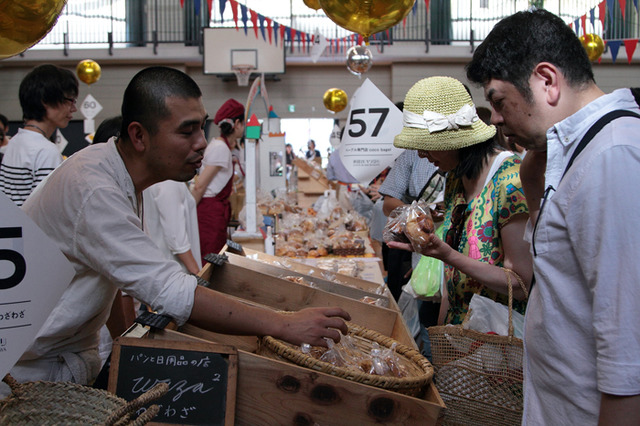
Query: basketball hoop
{"points": [[243, 72]]}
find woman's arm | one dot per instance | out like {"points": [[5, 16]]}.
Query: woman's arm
{"points": [[203, 180], [516, 257], [390, 204]]}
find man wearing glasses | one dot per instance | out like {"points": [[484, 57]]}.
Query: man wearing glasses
{"points": [[581, 338], [48, 99]]}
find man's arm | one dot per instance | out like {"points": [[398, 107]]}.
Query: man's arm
{"points": [[189, 261], [216, 311], [619, 410], [390, 204]]}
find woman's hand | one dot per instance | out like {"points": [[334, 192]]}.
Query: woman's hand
{"points": [[434, 247]]}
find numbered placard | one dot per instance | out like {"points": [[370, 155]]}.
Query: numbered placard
{"points": [[90, 107], [367, 143], [33, 275]]}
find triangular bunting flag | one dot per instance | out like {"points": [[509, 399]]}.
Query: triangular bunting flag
{"points": [[210, 8], [261, 19], [426, 3], [282, 30], [623, 7], [254, 21], [404, 22], [360, 39], [415, 8], [269, 30], [602, 12], [635, 3], [275, 32], [182, 4], [290, 33], [196, 5], [244, 17], [583, 21], [614, 46], [272, 113], [610, 4], [223, 4], [592, 18], [234, 10], [303, 36], [630, 47], [577, 25]]}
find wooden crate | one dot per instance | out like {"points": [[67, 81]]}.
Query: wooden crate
{"points": [[271, 392]]}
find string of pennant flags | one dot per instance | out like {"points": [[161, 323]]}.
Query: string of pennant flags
{"points": [[276, 32], [580, 26]]}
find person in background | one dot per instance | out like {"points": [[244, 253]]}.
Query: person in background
{"points": [[485, 208], [48, 96], [108, 128], [312, 153], [96, 197], [4, 135], [214, 183], [581, 340], [289, 157]]}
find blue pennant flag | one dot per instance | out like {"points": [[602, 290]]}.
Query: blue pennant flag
{"points": [[610, 4], [592, 18], [576, 23], [223, 3], [243, 9], [275, 32], [261, 19], [614, 46], [196, 5]]}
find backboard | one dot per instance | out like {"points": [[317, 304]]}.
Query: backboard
{"points": [[226, 48]]}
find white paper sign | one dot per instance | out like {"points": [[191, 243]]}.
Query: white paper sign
{"points": [[90, 107], [320, 43], [33, 275], [61, 141], [367, 143]]}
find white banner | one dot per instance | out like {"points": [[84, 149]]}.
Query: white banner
{"points": [[33, 275], [367, 143]]}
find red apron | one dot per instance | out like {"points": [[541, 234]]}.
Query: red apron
{"points": [[213, 218]]}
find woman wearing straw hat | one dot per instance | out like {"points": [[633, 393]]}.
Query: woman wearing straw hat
{"points": [[486, 211], [214, 183]]}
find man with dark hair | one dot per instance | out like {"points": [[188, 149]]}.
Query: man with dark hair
{"points": [[581, 343], [48, 99], [96, 197]]}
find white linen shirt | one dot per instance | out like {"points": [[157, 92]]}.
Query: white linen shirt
{"points": [[581, 334], [171, 220], [218, 154], [88, 207]]}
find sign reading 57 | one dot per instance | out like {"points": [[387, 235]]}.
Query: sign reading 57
{"points": [[12, 256], [359, 124]]}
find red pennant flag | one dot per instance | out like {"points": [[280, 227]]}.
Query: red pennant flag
{"points": [[282, 30], [182, 3], [426, 3], [293, 35], [602, 11], [254, 21], [303, 37], [269, 29], [209, 7], [360, 39], [623, 7], [234, 10], [630, 47], [583, 22], [404, 22]]}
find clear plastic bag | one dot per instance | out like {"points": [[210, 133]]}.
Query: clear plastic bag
{"points": [[418, 225], [428, 276]]}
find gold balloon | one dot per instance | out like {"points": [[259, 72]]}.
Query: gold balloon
{"points": [[88, 71], [313, 4], [366, 17], [335, 100], [23, 23], [593, 44]]}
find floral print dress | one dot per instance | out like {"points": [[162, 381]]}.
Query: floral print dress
{"points": [[500, 199]]}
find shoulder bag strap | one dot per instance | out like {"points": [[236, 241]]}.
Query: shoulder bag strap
{"points": [[603, 121]]}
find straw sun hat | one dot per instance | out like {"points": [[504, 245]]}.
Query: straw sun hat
{"points": [[439, 115]]}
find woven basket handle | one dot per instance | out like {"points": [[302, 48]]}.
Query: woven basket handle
{"points": [[152, 394], [508, 273]]}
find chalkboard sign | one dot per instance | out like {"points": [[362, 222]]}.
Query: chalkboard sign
{"points": [[201, 376]]}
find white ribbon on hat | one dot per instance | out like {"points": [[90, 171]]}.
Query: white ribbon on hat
{"points": [[436, 122]]}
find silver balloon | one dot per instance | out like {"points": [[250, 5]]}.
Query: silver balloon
{"points": [[359, 59]]}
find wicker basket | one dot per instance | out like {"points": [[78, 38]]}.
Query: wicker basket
{"points": [[419, 370], [55, 403]]}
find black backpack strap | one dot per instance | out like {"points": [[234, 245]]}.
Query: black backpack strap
{"points": [[603, 121]]}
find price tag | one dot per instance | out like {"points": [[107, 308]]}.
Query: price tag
{"points": [[33, 275], [367, 143], [90, 107]]}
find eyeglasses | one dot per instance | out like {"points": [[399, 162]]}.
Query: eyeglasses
{"points": [[454, 234], [71, 100]]}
